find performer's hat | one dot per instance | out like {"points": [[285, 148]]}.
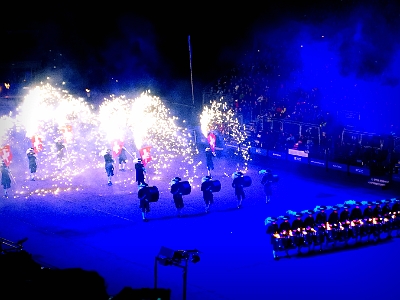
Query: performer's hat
{"points": [[298, 215], [285, 218], [143, 184], [237, 174], [273, 219], [264, 171], [310, 212], [206, 178], [322, 207], [377, 202], [208, 149], [176, 179], [358, 203], [108, 150], [346, 206], [3, 163], [370, 203], [335, 208], [139, 159]]}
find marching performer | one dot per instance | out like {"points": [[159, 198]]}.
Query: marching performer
{"points": [[140, 172], [109, 165], [237, 184], [60, 148], [266, 181], [30, 153], [5, 178], [209, 160], [177, 195], [144, 201], [206, 188], [122, 158]]}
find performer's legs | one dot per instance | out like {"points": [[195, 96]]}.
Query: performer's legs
{"points": [[239, 201]]}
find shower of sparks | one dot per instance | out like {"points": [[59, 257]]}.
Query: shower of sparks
{"points": [[218, 117], [145, 121], [49, 113]]}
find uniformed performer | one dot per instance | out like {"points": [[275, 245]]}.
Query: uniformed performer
{"points": [[30, 153], [206, 188], [144, 203], [109, 165], [140, 172], [237, 184], [177, 195]]}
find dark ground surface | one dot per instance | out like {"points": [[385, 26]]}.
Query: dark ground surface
{"points": [[99, 228]]}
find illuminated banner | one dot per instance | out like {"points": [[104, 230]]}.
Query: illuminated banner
{"points": [[117, 147], [212, 140], [259, 151], [37, 144], [337, 166], [276, 154], [300, 159], [317, 162], [297, 152], [145, 155], [359, 170], [6, 154]]}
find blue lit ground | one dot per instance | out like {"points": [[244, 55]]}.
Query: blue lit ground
{"points": [[100, 228]]}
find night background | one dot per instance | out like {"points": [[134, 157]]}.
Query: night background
{"points": [[319, 67], [347, 50]]}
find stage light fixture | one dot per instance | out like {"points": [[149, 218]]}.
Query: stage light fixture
{"points": [[195, 258]]}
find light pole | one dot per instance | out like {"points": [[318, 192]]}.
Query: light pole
{"points": [[179, 258]]}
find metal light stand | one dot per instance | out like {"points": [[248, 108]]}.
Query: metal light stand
{"points": [[170, 261]]}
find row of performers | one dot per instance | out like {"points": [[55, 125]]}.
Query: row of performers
{"points": [[337, 227], [179, 188]]}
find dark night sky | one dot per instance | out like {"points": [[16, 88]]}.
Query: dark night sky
{"points": [[146, 46]]}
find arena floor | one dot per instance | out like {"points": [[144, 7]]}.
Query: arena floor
{"points": [[100, 228]]}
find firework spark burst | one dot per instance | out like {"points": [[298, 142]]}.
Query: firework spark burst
{"points": [[48, 114], [219, 117]]}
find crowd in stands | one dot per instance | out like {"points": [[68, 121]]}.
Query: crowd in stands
{"points": [[281, 115]]}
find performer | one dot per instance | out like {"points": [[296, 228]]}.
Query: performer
{"points": [[32, 162], [286, 233], [368, 217], [122, 158], [144, 201], [321, 217], [206, 188], [237, 184], [356, 217], [344, 219], [109, 165], [5, 178], [177, 195], [297, 229], [140, 172], [309, 225], [387, 217], [209, 160], [333, 220], [266, 181], [396, 212], [273, 231], [60, 148]]}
